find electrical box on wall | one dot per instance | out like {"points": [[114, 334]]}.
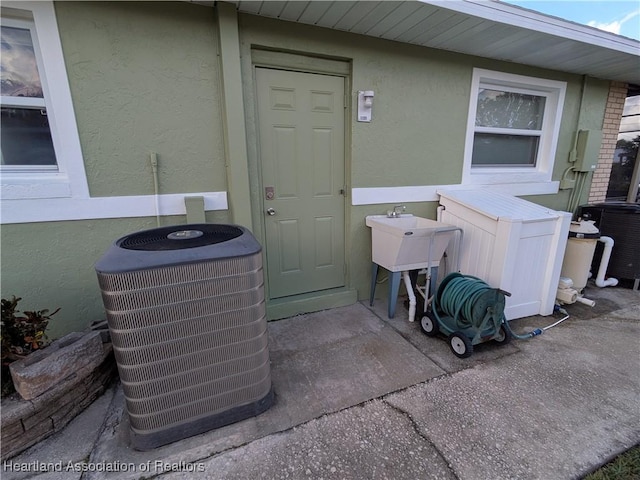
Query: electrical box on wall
{"points": [[587, 150]]}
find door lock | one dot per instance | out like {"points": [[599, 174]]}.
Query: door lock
{"points": [[269, 193], [271, 212]]}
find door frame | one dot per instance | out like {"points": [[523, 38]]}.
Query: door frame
{"points": [[295, 62]]}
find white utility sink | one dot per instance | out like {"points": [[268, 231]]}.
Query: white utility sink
{"points": [[402, 243]]}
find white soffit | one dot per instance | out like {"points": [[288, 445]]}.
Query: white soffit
{"points": [[485, 28]]}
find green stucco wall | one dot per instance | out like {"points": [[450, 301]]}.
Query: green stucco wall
{"points": [[50, 265], [145, 77], [418, 127], [413, 87], [417, 133], [581, 112]]}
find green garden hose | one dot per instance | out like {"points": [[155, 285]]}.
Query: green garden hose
{"points": [[470, 302]]}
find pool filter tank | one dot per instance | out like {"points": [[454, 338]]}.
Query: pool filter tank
{"points": [[583, 237], [576, 266]]}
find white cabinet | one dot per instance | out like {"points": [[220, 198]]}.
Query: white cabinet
{"points": [[511, 244]]}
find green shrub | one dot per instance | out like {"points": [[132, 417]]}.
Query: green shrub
{"points": [[21, 334]]}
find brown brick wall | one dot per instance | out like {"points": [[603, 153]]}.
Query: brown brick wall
{"points": [[610, 127]]}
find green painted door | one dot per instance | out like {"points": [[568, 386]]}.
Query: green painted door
{"points": [[301, 146]]}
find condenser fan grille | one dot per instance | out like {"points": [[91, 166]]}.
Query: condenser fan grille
{"points": [[177, 238]]}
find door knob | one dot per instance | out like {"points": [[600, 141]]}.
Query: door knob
{"points": [[271, 211]]}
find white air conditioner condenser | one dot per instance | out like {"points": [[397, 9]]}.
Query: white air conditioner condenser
{"points": [[186, 313]]}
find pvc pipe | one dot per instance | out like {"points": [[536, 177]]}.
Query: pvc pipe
{"points": [[153, 159], [604, 263], [567, 295], [412, 296], [586, 301]]}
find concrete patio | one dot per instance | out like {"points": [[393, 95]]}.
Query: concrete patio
{"points": [[361, 396]]}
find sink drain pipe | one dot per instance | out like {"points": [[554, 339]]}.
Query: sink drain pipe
{"points": [[412, 295]]}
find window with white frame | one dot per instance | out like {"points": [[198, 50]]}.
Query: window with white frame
{"points": [[40, 149], [26, 136], [513, 128]]}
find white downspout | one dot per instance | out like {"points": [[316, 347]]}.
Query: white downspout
{"points": [[412, 295], [604, 263]]}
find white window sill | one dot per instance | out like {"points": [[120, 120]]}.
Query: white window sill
{"points": [[505, 176], [429, 193], [16, 186]]}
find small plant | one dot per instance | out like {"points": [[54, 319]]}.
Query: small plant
{"points": [[21, 334]]}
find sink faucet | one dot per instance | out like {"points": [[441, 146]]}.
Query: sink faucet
{"points": [[397, 211]]}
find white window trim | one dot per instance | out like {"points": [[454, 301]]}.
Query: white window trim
{"points": [[554, 91], [63, 209], [70, 180]]}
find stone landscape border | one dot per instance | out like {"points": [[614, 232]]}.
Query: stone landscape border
{"points": [[27, 422]]}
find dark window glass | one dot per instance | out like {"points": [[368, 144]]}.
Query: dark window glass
{"points": [[26, 138], [491, 150], [25, 134]]}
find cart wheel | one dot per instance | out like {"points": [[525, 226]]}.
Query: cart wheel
{"points": [[504, 336], [460, 345], [429, 325]]}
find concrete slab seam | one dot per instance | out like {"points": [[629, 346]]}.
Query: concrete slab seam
{"points": [[325, 415], [416, 429], [112, 419], [110, 390]]}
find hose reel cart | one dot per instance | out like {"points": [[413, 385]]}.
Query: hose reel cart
{"points": [[468, 312]]}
